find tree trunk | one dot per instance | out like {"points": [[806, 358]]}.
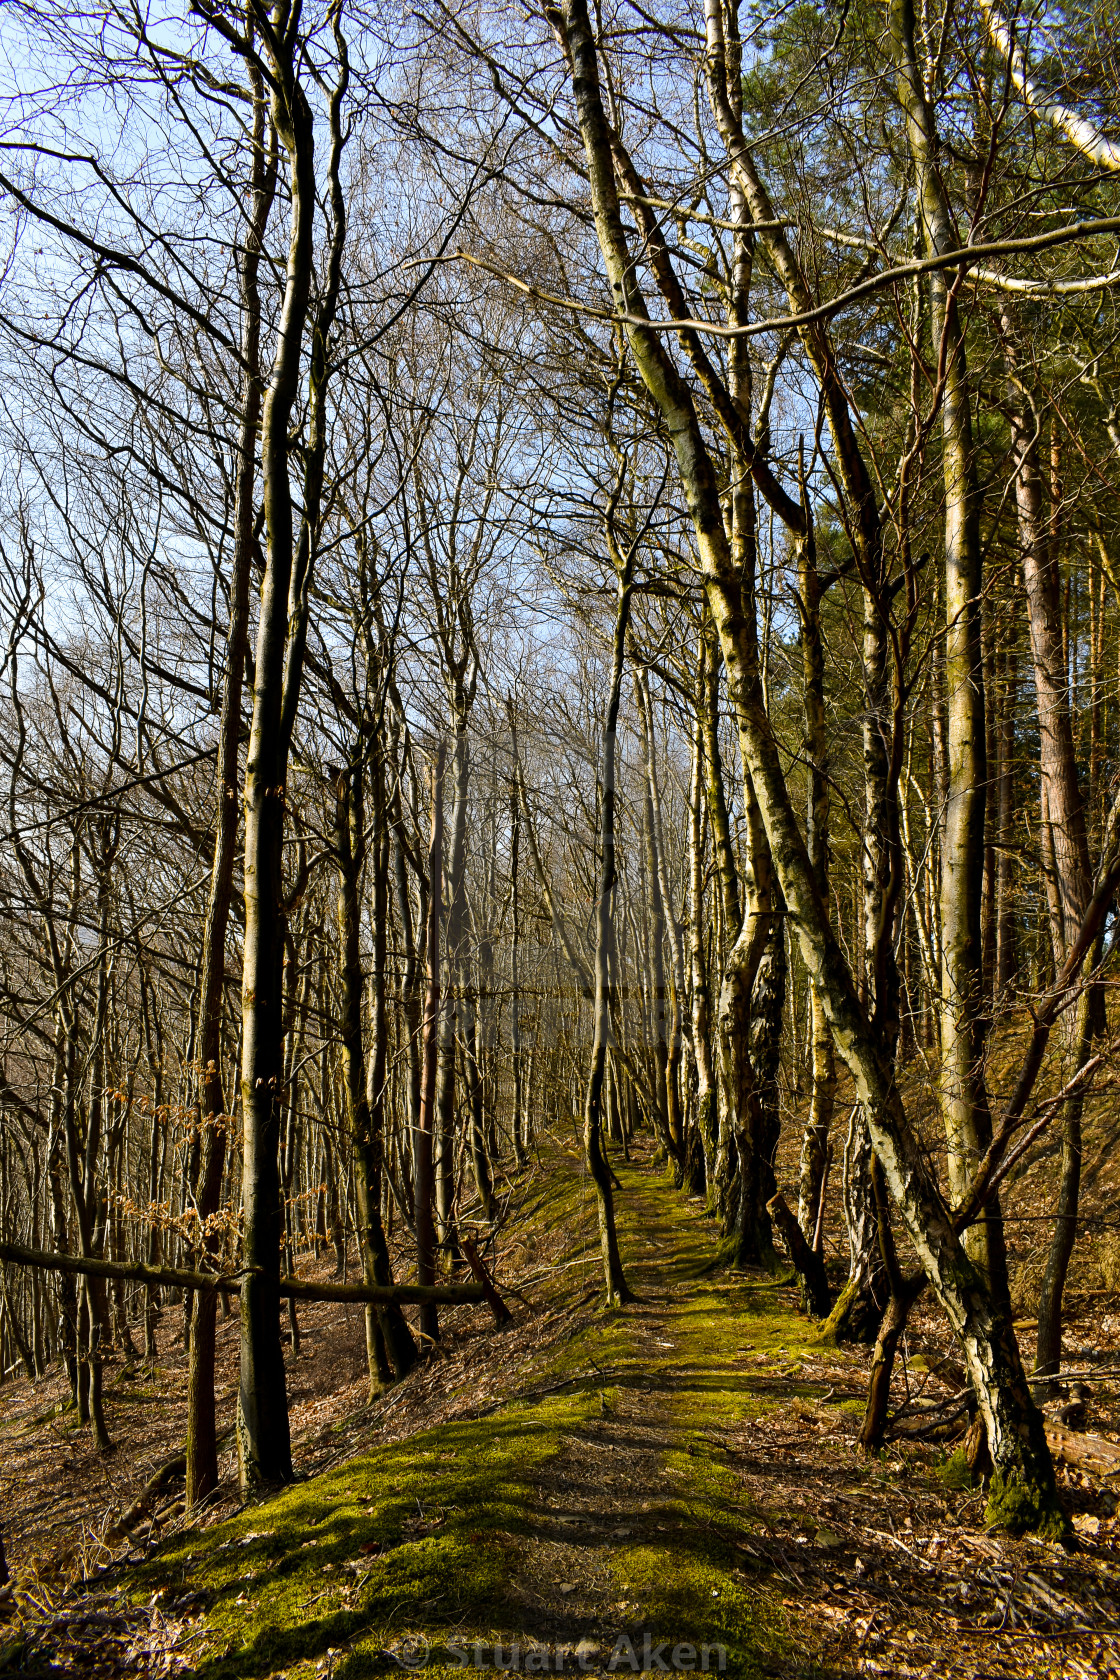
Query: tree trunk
{"points": [[452, 1026], [1063, 832], [1007, 959], [1023, 1490], [390, 1349], [707, 1112], [518, 1126], [859, 1306], [263, 1437], [423, 1211], [814, 1146], [411, 1002], [663, 907], [617, 1291], [964, 1096]]}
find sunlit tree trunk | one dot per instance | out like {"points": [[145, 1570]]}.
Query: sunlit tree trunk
{"points": [[964, 1096], [1023, 1493], [707, 1113], [598, 1168]]}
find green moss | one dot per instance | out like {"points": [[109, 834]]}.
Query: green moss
{"points": [[422, 1536], [1021, 1505], [702, 1598], [289, 1580], [695, 1586], [955, 1472]]}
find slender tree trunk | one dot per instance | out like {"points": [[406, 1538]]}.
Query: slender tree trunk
{"points": [[902, 1296], [1063, 832], [1006, 924], [617, 1290], [814, 1146], [474, 1029], [859, 1306], [390, 1349], [663, 911], [67, 1293], [422, 1143], [452, 1015], [1048, 1342], [400, 1345], [707, 1111], [658, 990], [964, 1096], [263, 1436], [411, 1001], [733, 1002], [518, 1126], [992, 721]]}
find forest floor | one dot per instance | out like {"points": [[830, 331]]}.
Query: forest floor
{"points": [[597, 1491]]}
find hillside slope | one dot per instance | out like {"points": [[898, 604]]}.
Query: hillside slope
{"points": [[607, 1491]]}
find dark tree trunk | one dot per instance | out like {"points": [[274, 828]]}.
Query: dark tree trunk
{"points": [[202, 1451], [263, 1436]]}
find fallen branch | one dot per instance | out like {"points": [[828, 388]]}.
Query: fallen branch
{"points": [[174, 1467], [502, 1314], [1084, 1452], [176, 1277]]}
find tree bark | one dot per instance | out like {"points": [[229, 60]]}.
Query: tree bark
{"points": [[663, 910], [964, 1096], [1024, 1494], [422, 1149], [455, 1004], [707, 1112], [814, 1147], [519, 1127], [295, 1289], [1063, 831], [617, 1290], [263, 1437], [390, 1349]]}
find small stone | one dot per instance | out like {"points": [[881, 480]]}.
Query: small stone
{"points": [[568, 1586]]}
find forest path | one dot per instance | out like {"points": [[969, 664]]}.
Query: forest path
{"points": [[606, 1491], [638, 1538], [590, 1516]]}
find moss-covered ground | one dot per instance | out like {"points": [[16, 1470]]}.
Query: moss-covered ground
{"points": [[608, 1491], [603, 1509]]}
